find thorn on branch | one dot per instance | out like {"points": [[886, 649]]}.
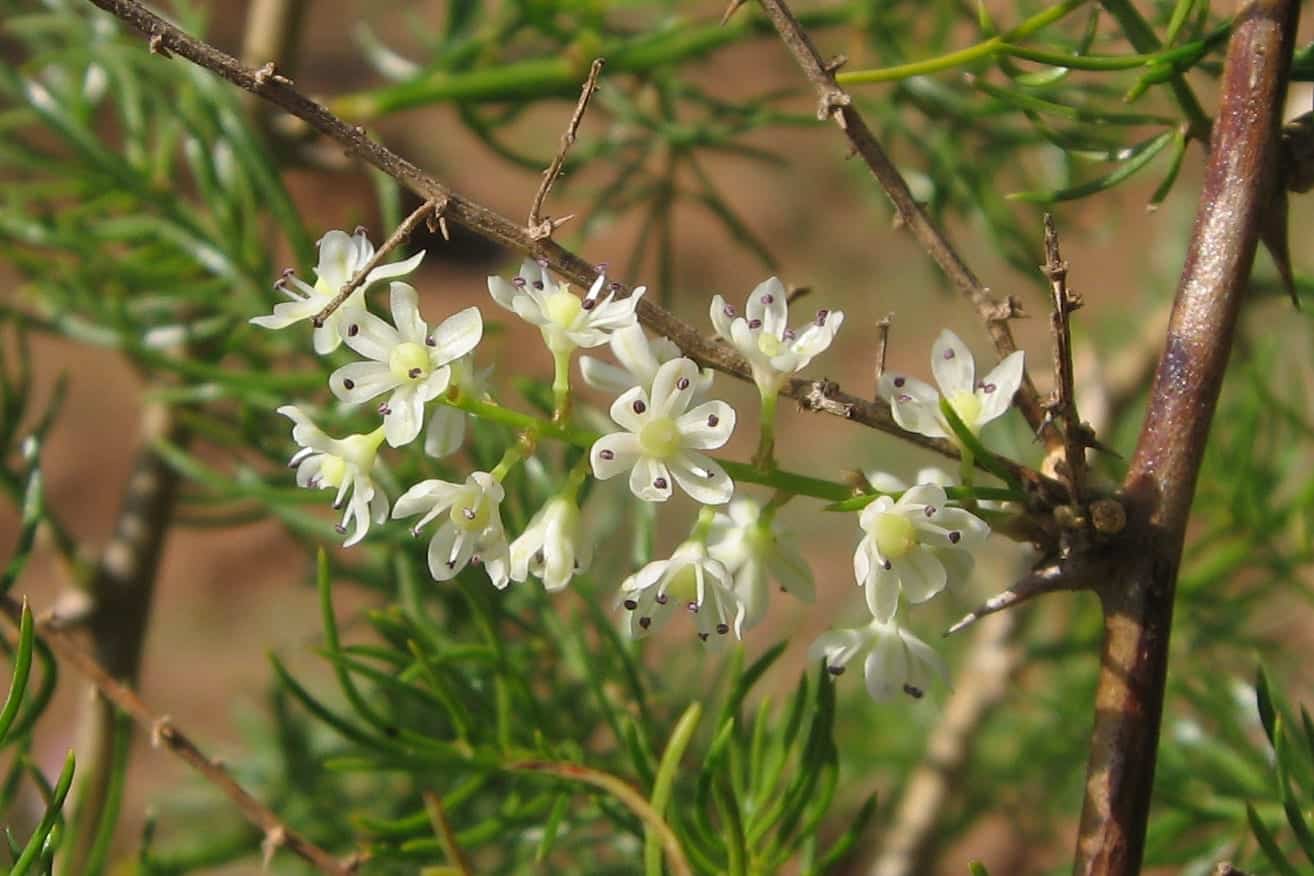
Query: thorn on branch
{"points": [[269, 73], [1046, 579], [834, 64], [275, 839], [882, 341], [162, 731], [157, 47], [730, 10], [832, 104]]}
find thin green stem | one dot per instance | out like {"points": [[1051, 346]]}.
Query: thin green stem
{"points": [[1142, 37], [764, 457], [664, 784], [983, 50]]}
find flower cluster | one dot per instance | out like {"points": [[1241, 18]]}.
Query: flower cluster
{"points": [[423, 384]]}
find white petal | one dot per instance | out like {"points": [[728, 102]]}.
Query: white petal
{"points": [[972, 530], [446, 431], [952, 364], [862, 564], [631, 347], [816, 339], [837, 647], [924, 665], [361, 381], [424, 497], [405, 416], [707, 426], [882, 592], [920, 575], [769, 303], [336, 258], [673, 387], [287, 313], [503, 292], [1005, 378], [444, 561], [702, 478], [632, 409], [650, 480], [922, 495], [457, 335], [886, 667], [495, 557], [605, 376], [404, 303], [793, 573], [395, 269], [370, 336], [623, 449], [722, 315], [916, 407]]}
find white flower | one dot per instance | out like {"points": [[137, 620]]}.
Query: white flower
{"points": [[916, 405], [566, 320], [691, 581], [405, 358], [340, 258], [913, 545], [472, 528], [550, 547], [640, 357], [663, 436], [898, 661], [772, 348], [342, 464], [755, 551], [446, 430]]}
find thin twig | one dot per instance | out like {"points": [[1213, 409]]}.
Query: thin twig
{"points": [[497, 228], [164, 733], [456, 856], [538, 227], [1046, 579], [430, 210], [836, 104], [1064, 406], [882, 341]]}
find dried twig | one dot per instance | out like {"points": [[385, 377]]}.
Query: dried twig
{"points": [[429, 210], [1046, 579], [164, 733], [442, 828], [1072, 451], [501, 230], [538, 227], [836, 104]]}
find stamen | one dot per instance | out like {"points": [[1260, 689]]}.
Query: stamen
{"points": [[712, 420], [589, 303], [693, 607], [662, 598], [518, 282], [755, 323], [768, 298], [821, 316], [341, 528], [789, 335], [639, 406], [660, 483], [955, 537], [630, 604], [538, 284], [645, 622], [930, 511], [348, 383], [431, 342], [900, 381], [834, 670], [415, 372], [384, 410], [915, 692], [682, 383], [949, 353], [607, 455], [722, 629], [989, 387], [360, 231], [729, 311], [613, 287], [353, 330], [904, 397], [888, 565], [469, 513]]}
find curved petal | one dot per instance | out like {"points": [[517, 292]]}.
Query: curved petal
{"points": [[605, 376], [632, 349], [503, 292], [404, 304], [837, 647], [395, 269], [882, 592], [337, 255], [916, 407], [925, 667], [457, 335], [768, 303], [442, 563], [972, 530], [613, 454], [424, 497], [445, 432], [998, 387], [923, 495], [816, 338], [702, 478], [921, 575], [287, 313], [707, 426], [952, 364], [673, 387], [631, 409], [361, 381], [886, 667], [650, 480], [862, 563], [722, 316], [792, 572], [405, 417], [370, 336]]}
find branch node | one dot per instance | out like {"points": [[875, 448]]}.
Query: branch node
{"points": [[1108, 516], [818, 397], [834, 64], [269, 73], [730, 10], [162, 731], [1046, 579], [156, 45], [275, 838], [832, 103]]}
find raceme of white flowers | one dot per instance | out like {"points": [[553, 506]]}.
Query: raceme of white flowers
{"points": [[424, 383]]}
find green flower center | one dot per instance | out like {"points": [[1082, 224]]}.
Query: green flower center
{"points": [[968, 408], [333, 470], [409, 362], [683, 585], [562, 308], [895, 535], [769, 344], [471, 514], [659, 438]]}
